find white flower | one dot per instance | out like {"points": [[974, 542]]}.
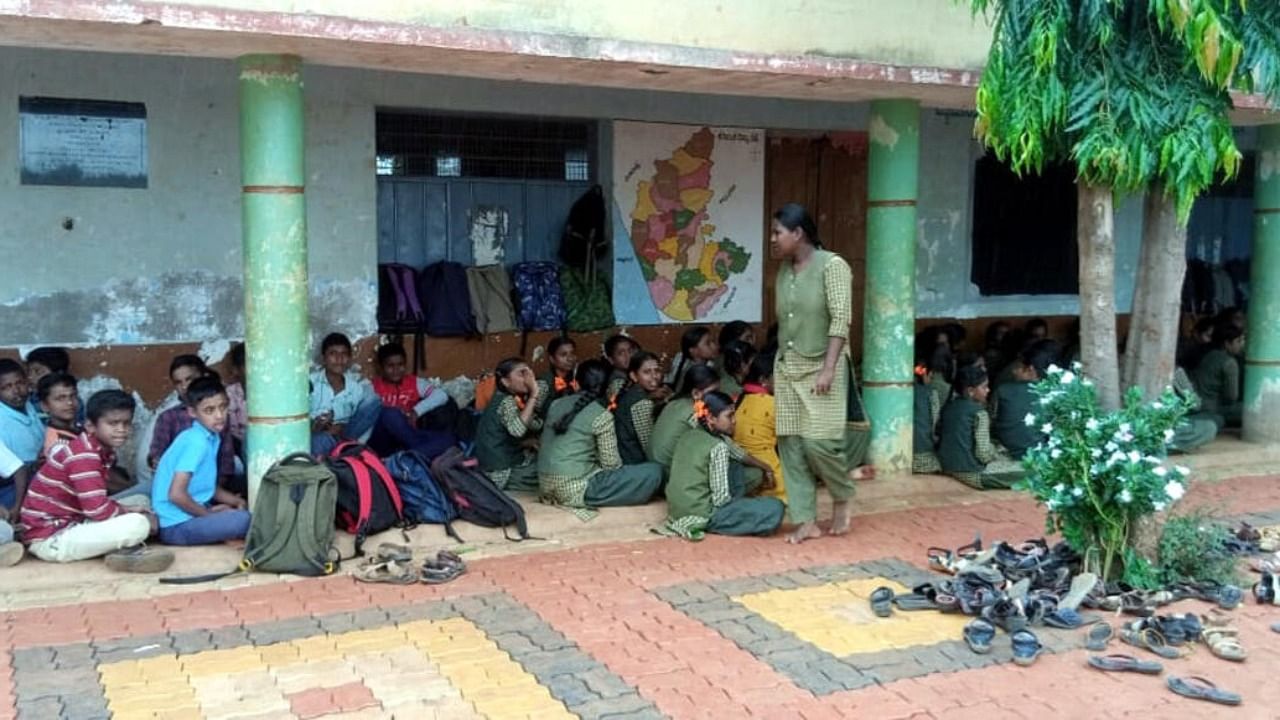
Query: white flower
{"points": [[1077, 366], [1116, 457], [1168, 435], [1092, 424], [1157, 405], [1159, 507], [1046, 428], [1160, 472], [1112, 447], [1174, 490], [1054, 369], [1030, 420], [1152, 459], [1125, 497], [1124, 428], [1055, 453], [1046, 400], [1067, 378], [1096, 452], [1059, 488], [1182, 470], [1134, 456], [1077, 492], [1086, 382]]}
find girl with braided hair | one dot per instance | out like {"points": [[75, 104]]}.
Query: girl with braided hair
{"points": [[636, 406]]}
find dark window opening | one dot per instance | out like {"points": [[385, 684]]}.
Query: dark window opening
{"points": [[523, 148], [1024, 231]]}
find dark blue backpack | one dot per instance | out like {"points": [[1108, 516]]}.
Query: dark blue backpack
{"points": [[446, 301], [538, 295], [423, 499]]}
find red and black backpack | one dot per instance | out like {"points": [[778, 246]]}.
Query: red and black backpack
{"points": [[368, 499]]}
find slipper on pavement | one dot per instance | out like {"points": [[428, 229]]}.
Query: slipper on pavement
{"points": [[1100, 633], [1125, 663], [882, 602], [1199, 688], [1026, 647], [978, 634]]}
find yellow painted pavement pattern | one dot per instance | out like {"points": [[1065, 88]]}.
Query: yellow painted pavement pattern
{"points": [[423, 669], [837, 618]]}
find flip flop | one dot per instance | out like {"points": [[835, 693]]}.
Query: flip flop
{"points": [[1080, 587], [1224, 642], [978, 634], [436, 573], [390, 572], [1026, 647], [391, 552], [1275, 628], [882, 602], [1199, 688], [1125, 663], [1100, 633], [1064, 619], [1149, 639], [911, 602]]}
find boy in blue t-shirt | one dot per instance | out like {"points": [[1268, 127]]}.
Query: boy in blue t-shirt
{"points": [[185, 495]]}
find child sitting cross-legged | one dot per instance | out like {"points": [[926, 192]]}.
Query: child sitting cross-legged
{"points": [[965, 448], [508, 429], [706, 492], [67, 513], [926, 409], [193, 509], [1013, 401], [343, 404], [636, 405], [406, 400]]}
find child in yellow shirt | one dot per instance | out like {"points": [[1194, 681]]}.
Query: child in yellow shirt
{"points": [[755, 431]]}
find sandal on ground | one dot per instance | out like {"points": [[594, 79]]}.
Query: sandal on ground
{"points": [[448, 557], [1125, 663], [1064, 619], [1026, 647], [1007, 615], [882, 602], [391, 572], [1224, 642], [921, 597], [978, 634], [1151, 640], [1080, 587], [391, 552], [1275, 627], [1199, 688], [1099, 635], [438, 573]]}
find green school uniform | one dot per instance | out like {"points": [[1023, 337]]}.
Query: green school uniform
{"points": [[965, 448], [705, 494], [499, 449], [924, 424], [1014, 401], [1217, 380], [633, 420], [673, 422]]}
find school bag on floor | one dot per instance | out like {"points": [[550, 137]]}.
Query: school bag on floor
{"points": [[368, 500], [538, 297], [399, 307], [424, 500], [446, 300], [586, 300], [476, 498]]}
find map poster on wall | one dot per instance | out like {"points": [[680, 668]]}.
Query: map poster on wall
{"points": [[688, 230], [94, 143]]}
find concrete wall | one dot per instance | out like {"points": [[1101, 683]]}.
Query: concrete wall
{"points": [[930, 33]]}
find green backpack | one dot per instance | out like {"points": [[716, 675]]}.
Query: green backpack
{"points": [[292, 526], [587, 300]]}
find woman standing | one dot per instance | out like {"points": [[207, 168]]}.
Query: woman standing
{"points": [[811, 373]]}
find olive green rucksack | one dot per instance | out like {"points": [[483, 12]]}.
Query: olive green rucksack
{"points": [[587, 300], [292, 526]]}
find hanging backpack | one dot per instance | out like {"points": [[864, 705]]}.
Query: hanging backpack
{"points": [[399, 307], [490, 289], [586, 298], [424, 500], [583, 241], [476, 498], [538, 297], [368, 500], [446, 300]]}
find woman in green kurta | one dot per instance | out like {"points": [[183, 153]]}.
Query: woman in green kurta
{"points": [[811, 374], [704, 493], [1217, 377], [509, 427], [578, 463]]}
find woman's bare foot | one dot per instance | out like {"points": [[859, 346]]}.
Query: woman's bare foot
{"points": [[807, 531], [841, 517], [863, 472]]}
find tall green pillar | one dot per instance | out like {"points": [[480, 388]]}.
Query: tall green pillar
{"points": [[274, 225], [890, 310], [1262, 351]]}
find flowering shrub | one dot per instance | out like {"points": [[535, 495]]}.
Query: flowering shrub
{"points": [[1098, 473]]}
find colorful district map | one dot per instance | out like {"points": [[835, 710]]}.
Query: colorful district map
{"points": [[694, 269]]}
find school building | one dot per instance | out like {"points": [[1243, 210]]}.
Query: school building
{"points": [[264, 156]]}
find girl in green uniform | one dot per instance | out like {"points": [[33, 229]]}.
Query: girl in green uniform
{"points": [[578, 464], [927, 409], [697, 347], [618, 350], [734, 364], [1013, 401], [677, 417], [562, 355], [1217, 377], [508, 429], [811, 374], [965, 448], [705, 493], [636, 406]]}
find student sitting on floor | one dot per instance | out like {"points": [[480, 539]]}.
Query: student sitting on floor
{"points": [[706, 492], [737, 331], [635, 407], [735, 360], [756, 430], [343, 404], [618, 350], [56, 393], [192, 508], [10, 551], [237, 409], [1217, 377], [407, 402], [677, 417], [1013, 401], [508, 429], [924, 423], [578, 463], [1197, 428], [67, 513], [697, 347], [557, 381], [183, 370], [965, 448], [20, 427], [43, 361]]}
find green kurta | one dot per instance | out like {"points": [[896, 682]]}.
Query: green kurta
{"points": [[672, 423], [1014, 401], [547, 392], [702, 496], [965, 448], [581, 468], [924, 430], [498, 447], [729, 385]]}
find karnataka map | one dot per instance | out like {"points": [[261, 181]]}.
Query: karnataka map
{"points": [[688, 200]]}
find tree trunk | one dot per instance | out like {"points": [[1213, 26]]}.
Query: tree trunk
{"points": [[1096, 237], [1157, 297]]}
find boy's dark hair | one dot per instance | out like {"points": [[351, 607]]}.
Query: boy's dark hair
{"points": [[733, 331], [737, 357], [969, 377], [237, 356], [335, 339], [45, 387], [390, 350], [761, 368], [955, 333], [105, 401], [9, 365], [593, 380], [55, 358], [965, 358], [187, 360], [614, 341], [698, 377], [202, 389], [560, 341]]}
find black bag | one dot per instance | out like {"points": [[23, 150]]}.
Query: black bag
{"points": [[583, 241], [476, 498], [446, 300], [368, 499]]}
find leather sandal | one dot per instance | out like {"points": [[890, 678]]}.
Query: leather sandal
{"points": [[1224, 642]]}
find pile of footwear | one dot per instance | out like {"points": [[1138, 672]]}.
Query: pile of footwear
{"points": [[394, 564]]}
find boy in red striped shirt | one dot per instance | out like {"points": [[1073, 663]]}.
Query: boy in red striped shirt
{"points": [[67, 512]]}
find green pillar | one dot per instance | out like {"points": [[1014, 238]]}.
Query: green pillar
{"points": [[890, 310], [274, 225], [1262, 352]]}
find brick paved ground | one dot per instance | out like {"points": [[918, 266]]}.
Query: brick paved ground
{"points": [[725, 628]]}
